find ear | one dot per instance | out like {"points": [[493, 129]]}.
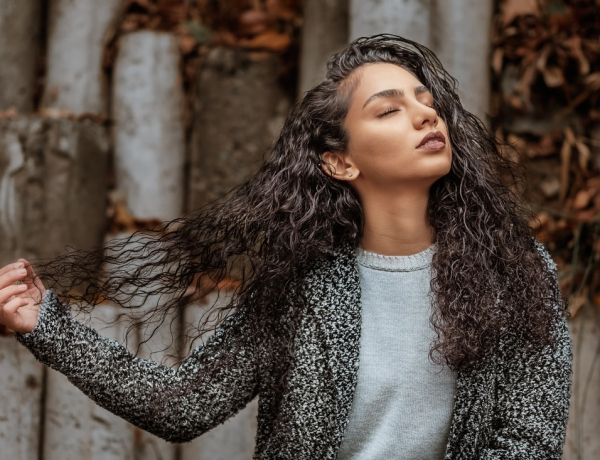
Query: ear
{"points": [[339, 166]]}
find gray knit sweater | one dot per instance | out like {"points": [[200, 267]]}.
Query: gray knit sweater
{"points": [[514, 407], [402, 406]]}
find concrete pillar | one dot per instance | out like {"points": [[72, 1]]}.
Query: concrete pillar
{"points": [[239, 109], [408, 18], [324, 32], [52, 186], [78, 32], [149, 135], [461, 39]]}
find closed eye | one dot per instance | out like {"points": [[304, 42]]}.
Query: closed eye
{"points": [[396, 109], [388, 111]]}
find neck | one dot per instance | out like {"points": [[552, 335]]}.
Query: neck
{"points": [[398, 225]]}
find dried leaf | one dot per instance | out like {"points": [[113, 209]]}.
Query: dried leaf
{"points": [[584, 154], [593, 81], [553, 77], [582, 199], [565, 161], [576, 301], [187, 44], [513, 8], [279, 11], [497, 60], [270, 40], [254, 22], [574, 45], [587, 215]]}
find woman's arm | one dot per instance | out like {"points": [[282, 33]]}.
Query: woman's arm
{"points": [[534, 392], [153, 397]]}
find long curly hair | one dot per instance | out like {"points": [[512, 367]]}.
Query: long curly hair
{"points": [[269, 231]]}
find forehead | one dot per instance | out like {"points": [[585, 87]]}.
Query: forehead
{"points": [[380, 76]]}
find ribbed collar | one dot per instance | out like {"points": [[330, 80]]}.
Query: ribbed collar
{"points": [[410, 263]]}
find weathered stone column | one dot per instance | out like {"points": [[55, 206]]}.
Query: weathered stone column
{"points": [[461, 39], [78, 32], [149, 137], [324, 32], [52, 186], [240, 108], [20, 32], [408, 18], [52, 194]]}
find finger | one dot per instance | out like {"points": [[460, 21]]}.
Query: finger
{"points": [[8, 268], [32, 280], [18, 264], [8, 278], [12, 290], [10, 308]]}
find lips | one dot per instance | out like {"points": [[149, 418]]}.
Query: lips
{"points": [[433, 140]]}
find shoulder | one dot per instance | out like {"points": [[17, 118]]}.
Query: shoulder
{"points": [[545, 255]]}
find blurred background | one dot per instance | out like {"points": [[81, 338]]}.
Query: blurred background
{"points": [[119, 114]]}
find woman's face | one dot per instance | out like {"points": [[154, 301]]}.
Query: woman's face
{"points": [[389, 115]]}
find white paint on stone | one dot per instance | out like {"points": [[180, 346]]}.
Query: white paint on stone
{"points": [[149, 138], [78, 32]]}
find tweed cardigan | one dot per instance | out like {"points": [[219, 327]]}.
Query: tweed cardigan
{"points": [[515, 406]]}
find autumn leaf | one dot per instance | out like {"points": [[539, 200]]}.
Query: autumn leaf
{"points": [[576, 301], [513, 8], [270, 40]]}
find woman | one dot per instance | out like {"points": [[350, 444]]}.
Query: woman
{"points": [[392, 299]]}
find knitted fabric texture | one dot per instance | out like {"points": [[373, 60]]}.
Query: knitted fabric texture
{"points": [[515, 406]]}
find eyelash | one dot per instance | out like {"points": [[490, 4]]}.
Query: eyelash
{"points": [[393, 109]]}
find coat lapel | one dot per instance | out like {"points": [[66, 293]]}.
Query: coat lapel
{"points": [[334, 295]]}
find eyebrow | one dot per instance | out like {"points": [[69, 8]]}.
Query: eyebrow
{"points": [[394, 93]]}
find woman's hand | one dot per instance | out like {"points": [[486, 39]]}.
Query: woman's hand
{"points": [[19, 303]]}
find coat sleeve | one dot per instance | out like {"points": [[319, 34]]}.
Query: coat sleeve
{"points": [[176, 405], [534, 392]]}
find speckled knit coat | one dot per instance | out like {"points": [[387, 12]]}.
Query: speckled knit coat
{"points": [[514, 407]]}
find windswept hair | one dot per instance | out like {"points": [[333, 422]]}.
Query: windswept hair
{"points": [[269, 231]]}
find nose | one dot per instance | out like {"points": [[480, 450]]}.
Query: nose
{"points": [[424, 115]]}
